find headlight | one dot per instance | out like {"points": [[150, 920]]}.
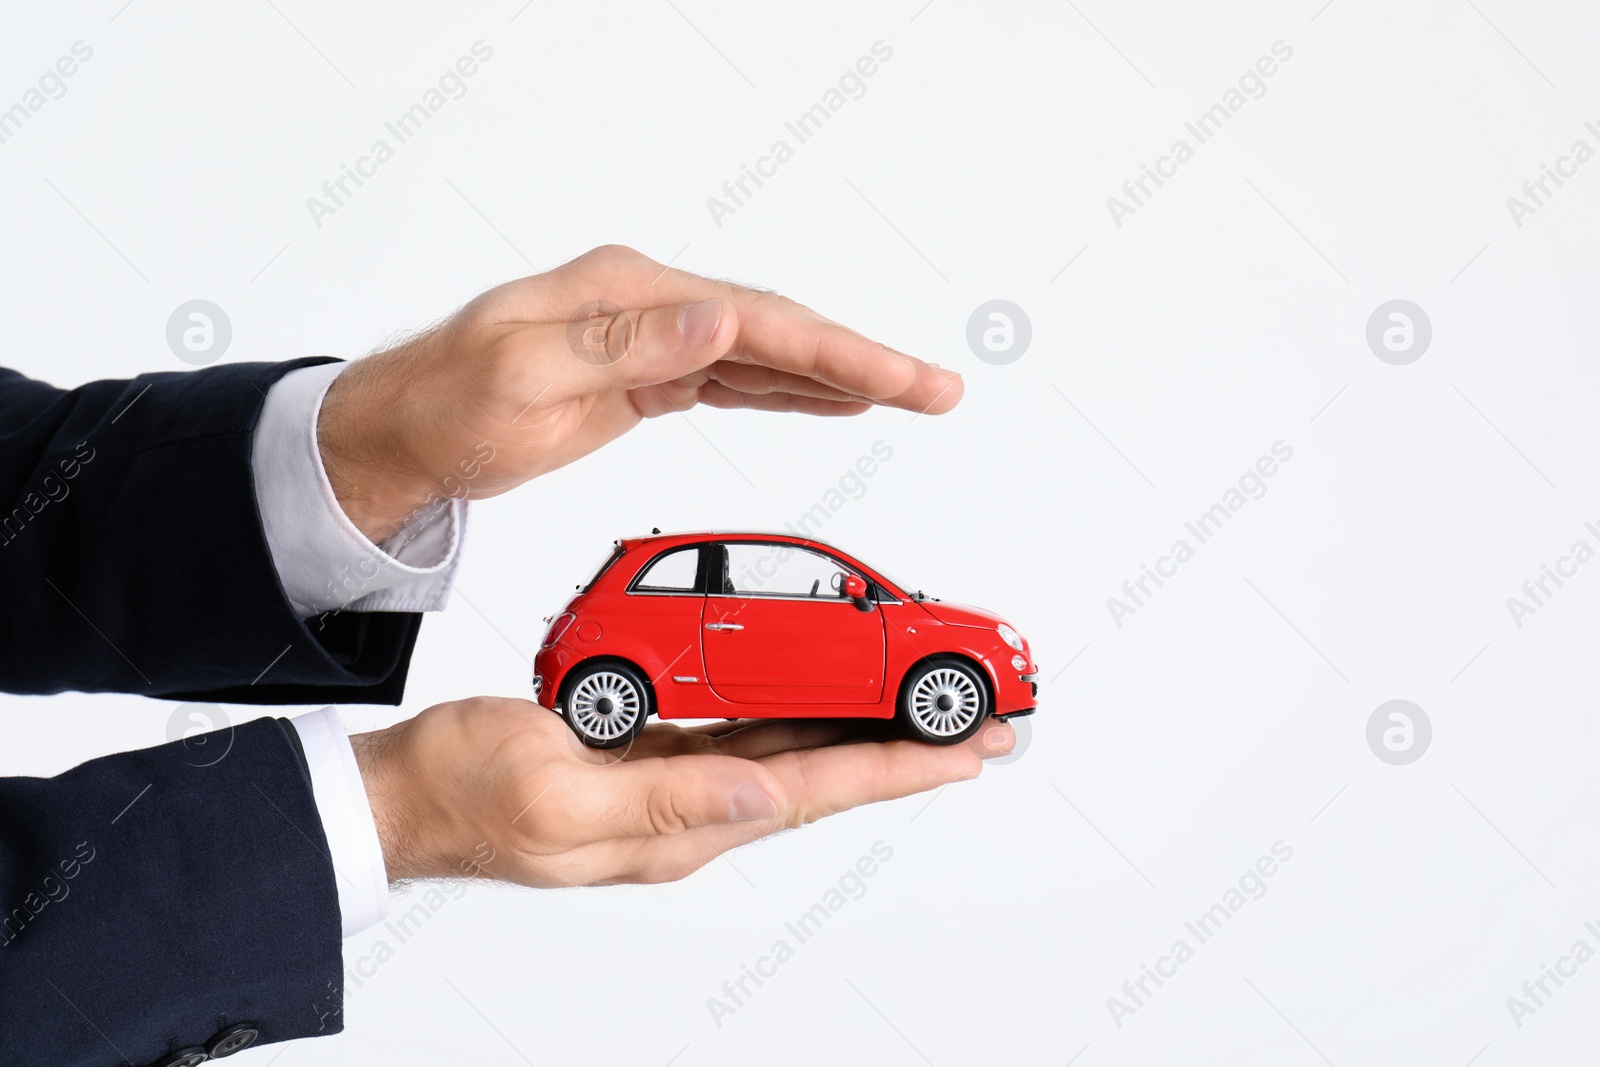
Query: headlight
{"points": [[1009, 636], [1017, 664]]}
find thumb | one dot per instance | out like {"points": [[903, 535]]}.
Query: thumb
{"points": [[627, 349], [651, 797]]}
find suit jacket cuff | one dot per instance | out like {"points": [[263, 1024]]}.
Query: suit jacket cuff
{"points": [[168, 893], [156, 577]]}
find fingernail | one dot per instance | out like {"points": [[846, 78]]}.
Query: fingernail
{"points": [[697, 322], [750, 801]]}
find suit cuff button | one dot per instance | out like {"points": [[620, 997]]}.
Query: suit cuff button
{"points": [[184, 1057], [233, 1039]]}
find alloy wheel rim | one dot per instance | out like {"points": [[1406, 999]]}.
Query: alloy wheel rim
{"points": [[945, 701], [606, 705]]}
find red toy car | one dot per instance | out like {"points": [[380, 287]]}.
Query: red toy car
{"points": [[750, 625]]}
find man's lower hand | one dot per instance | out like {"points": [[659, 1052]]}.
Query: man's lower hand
{"points": [[500, 787]]}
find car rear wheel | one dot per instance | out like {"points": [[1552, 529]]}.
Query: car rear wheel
{"points": [[606, 704], [944, 701]]}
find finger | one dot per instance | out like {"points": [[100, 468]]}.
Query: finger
{"points": [[783, 735], [643, 798], [825, 781], [994, 740], [848, 728], [661, 739], [722, 726], [755, 738], [745, 740], [632, 349], [773, 331], [653, 401], [753, 378], [717, 395], [785, 336]]}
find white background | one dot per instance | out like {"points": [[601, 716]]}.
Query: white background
{"points": [[1225, 315]]}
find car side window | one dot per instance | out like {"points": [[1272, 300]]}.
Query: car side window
{"points": [[674, 572], [755, 569]]}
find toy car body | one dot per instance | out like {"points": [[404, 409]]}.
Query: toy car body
{"points": [[752, 625]]}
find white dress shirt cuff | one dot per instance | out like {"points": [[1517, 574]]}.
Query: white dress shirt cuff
{"points": [[323, 561], [341, 797]]}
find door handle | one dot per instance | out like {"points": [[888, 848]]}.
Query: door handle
{"points": [[724, 626]]}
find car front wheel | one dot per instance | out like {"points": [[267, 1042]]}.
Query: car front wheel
{"points": [[944, 701], [606, 704]]}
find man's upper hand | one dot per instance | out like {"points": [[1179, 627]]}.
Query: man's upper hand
{"points": [[544, 370]]}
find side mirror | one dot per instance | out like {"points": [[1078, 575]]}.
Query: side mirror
{"points": [[855, 587]]}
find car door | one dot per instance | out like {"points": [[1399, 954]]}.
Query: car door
{"points": [[778, 629]]}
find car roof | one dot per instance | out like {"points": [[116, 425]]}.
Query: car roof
{"points": [[724, 535]]}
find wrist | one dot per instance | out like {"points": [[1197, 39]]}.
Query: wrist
{"points": [[366, 453], [397, 796]]}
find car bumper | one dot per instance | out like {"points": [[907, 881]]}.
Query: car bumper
{"points": [[550, 667], [1016, 691]]}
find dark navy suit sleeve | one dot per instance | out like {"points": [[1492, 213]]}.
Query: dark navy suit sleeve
{"points": [[155, 902], [164, 905], [133, 559]]}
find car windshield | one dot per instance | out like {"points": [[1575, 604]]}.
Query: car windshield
{"points": [[912, 592]]}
